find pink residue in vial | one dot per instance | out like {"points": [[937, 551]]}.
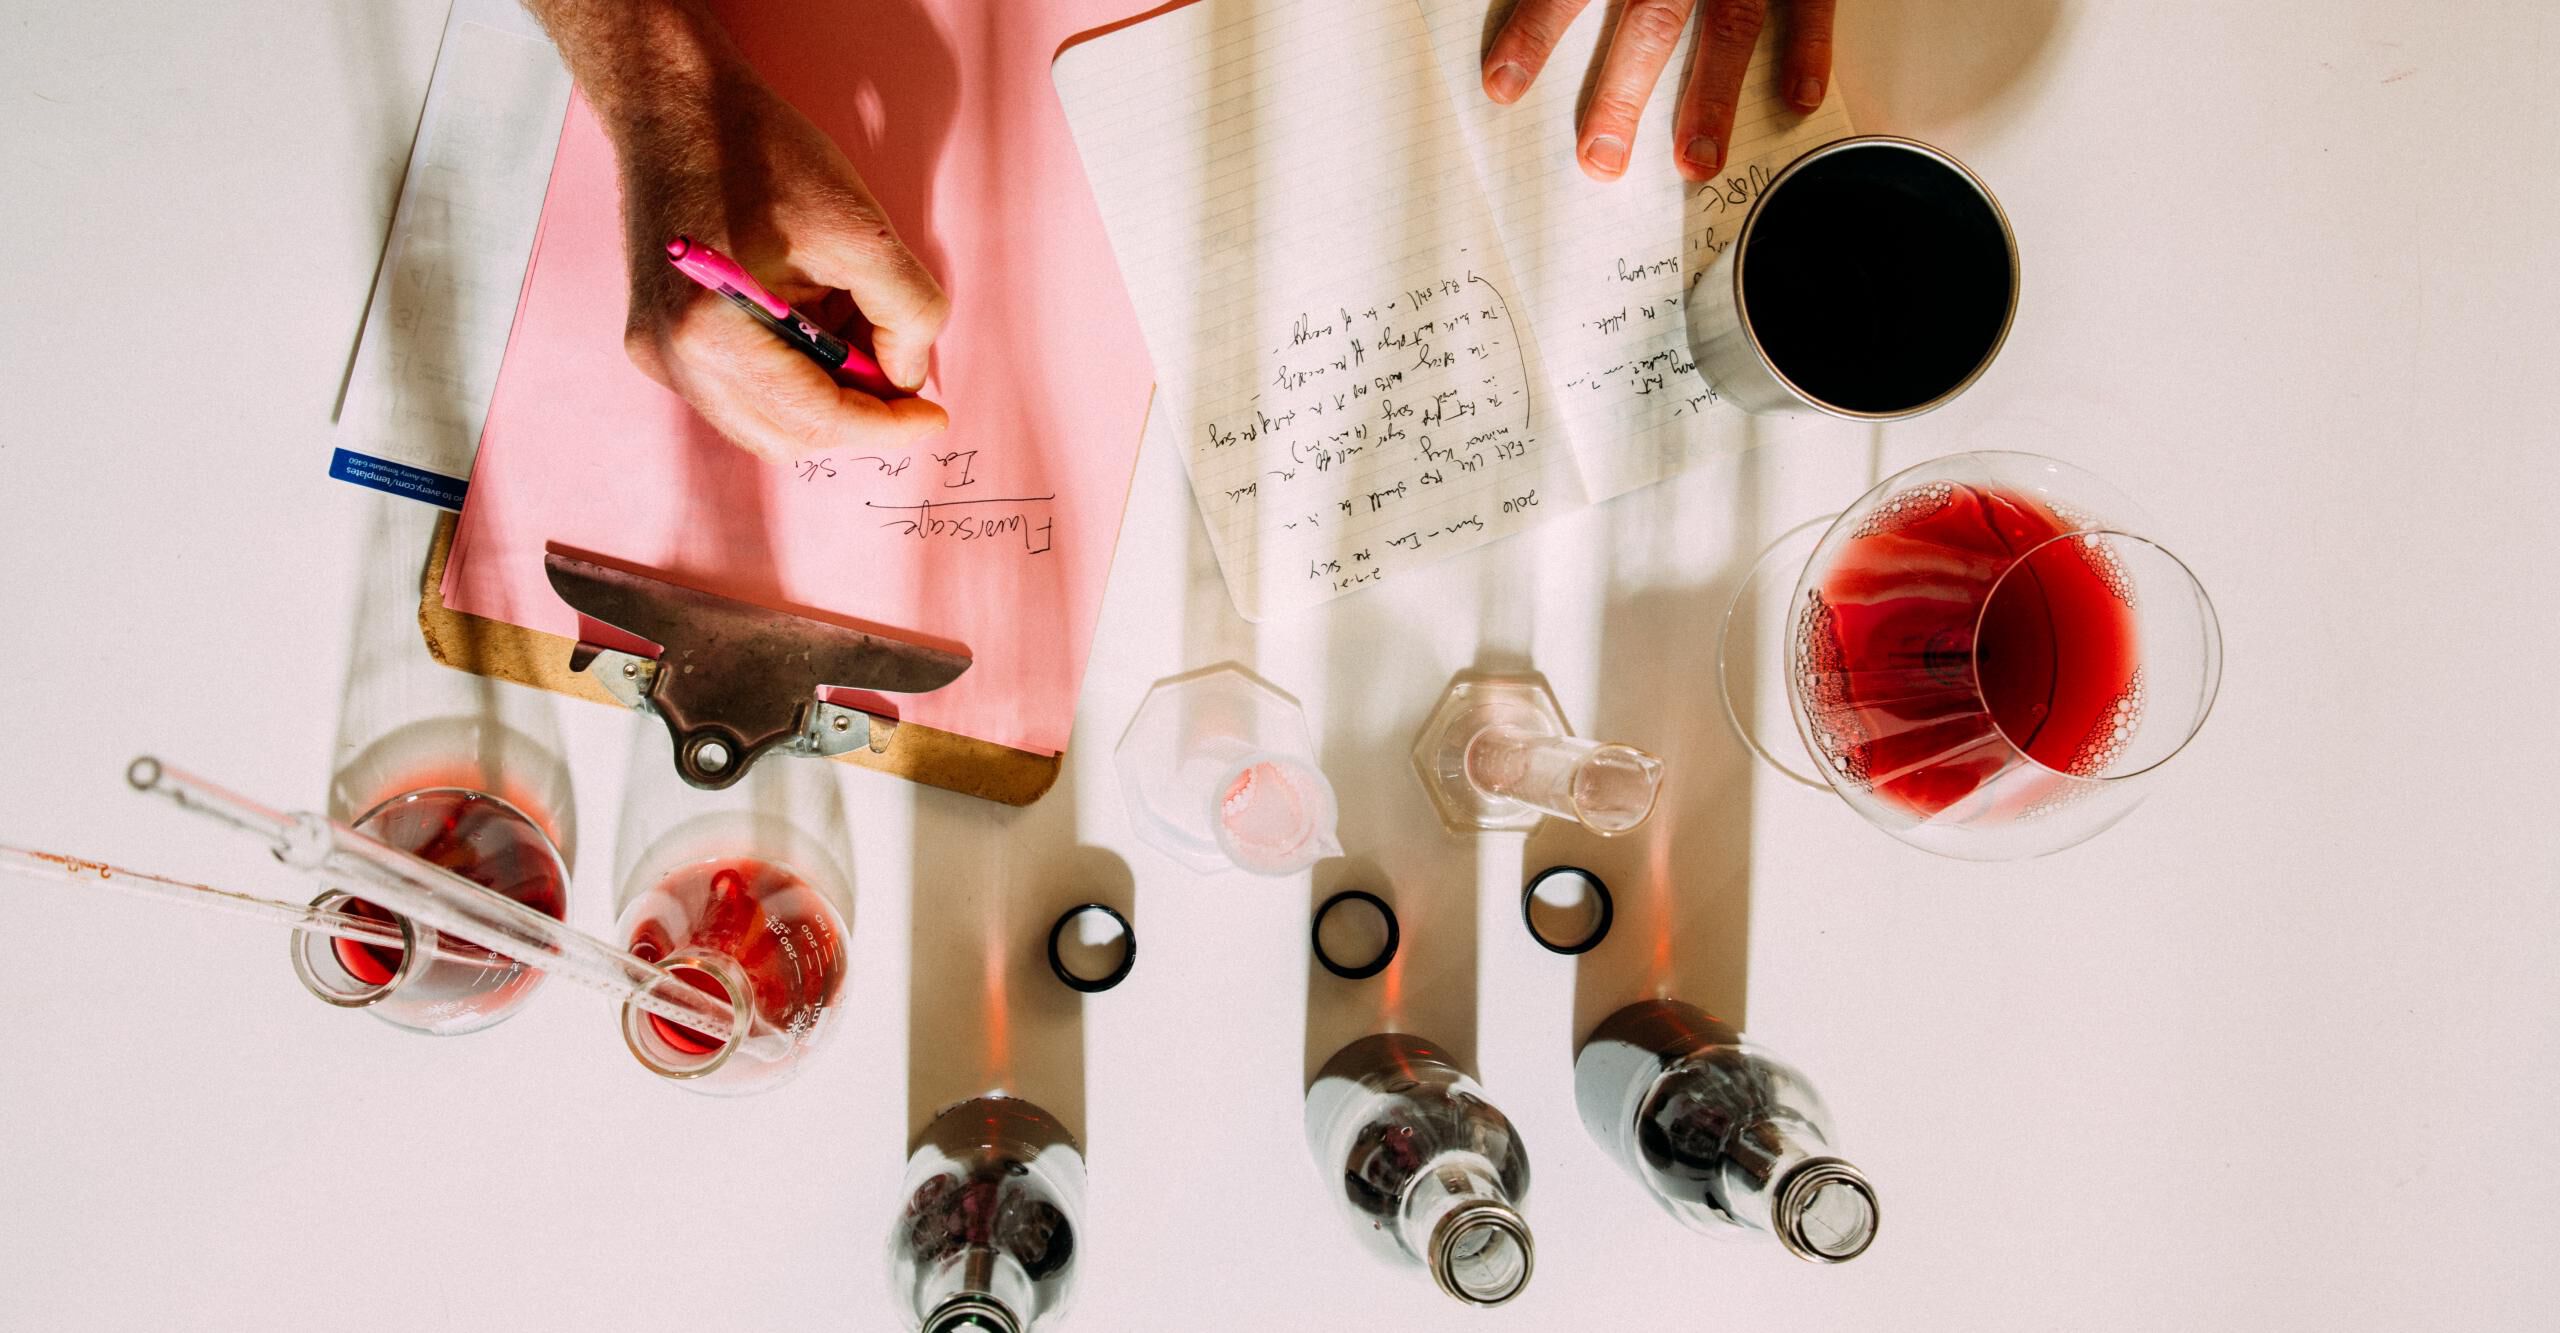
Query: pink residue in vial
{"points": [[1268, 815]]}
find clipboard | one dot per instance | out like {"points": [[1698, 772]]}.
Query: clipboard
{"points": [[911, 751]]}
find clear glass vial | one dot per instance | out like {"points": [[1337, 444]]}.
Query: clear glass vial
{"points": [[1426, 1169], [986, 1241], [1728, 1140], [1497, 755]]}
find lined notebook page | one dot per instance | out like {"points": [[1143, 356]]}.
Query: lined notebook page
{"points": [[1339, 343], [1603, 265]]}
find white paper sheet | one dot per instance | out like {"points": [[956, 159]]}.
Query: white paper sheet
{"points": [[445, 297], [1336, 332], [1392, 320], [1603, 265]]}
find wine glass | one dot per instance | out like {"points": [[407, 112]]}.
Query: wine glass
{"points": [[1985, 655]]}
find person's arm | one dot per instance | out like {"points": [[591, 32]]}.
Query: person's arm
{"points": [[1648, 32], [707, 150]]}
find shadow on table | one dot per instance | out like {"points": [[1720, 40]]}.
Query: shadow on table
{"points": [[784, 809], [1929, 68], [1683, 882], [984, 1012], [366, 38], [406, 722], [1385, 680], [1379, 691]]}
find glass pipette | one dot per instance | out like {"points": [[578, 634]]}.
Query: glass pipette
{"points": [[433, 897], [56, 868]]}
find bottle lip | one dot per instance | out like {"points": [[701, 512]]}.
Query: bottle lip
{"points": [[550, 844], [1796, 1196], [1000, 1120], [972, 1310], [1480, 1216]]}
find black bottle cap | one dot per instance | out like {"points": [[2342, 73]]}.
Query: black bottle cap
{"points": [[1086, 978], [1561, 933], [1357, 969]]}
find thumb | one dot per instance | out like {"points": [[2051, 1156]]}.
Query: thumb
{"points": [[902, 302]]}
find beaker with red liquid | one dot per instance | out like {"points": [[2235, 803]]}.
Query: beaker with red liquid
{"points": [[742, 894], [462, 771], [452, 988]]}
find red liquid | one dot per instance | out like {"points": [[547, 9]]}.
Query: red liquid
{"points": [[781, 932], [477, 838], [1925, 674]]}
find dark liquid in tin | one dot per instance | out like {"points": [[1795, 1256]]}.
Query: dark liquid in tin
{"points": [[1877, 279]]}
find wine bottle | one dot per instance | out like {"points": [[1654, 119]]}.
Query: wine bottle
{"points": [[1728, 1139], [1427, 1170], [986, 1242]]}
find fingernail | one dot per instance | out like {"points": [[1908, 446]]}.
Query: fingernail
{"points": [[1702, 153], [1809, 92], [1608, 152], [1506, 82]]}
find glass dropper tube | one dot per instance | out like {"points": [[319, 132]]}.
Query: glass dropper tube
{"points": [[55, 867], [343, 859]]}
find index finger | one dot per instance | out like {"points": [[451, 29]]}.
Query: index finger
{"points": [[837, 421], [1808, 63], [1528, 36], [780, 405], [1704, 129], [1648, 32], [863, 257]]}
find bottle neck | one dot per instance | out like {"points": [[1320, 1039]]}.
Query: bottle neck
{"points": [[1819, 1207], [977, 1290], [1458, 1218]]}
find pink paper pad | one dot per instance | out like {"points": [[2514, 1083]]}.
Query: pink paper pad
{"points": [[946, 108]]}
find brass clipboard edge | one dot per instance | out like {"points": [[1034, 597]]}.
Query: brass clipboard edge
{"points": [[506, 652]]}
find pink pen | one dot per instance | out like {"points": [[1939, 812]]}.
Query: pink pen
{"points": [[719, 273]]}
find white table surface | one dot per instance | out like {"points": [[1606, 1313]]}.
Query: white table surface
{"points": [[2277, 1052]]}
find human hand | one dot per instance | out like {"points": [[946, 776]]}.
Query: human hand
{"points": [[1648, 32], [726, 161]]}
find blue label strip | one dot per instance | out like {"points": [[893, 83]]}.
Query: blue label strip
{"points": [[398, 478]]}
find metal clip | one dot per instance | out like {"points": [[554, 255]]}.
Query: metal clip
{"points": [[733, 680]]}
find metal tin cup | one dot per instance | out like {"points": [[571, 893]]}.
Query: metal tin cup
{"points": [[1875, 278]]}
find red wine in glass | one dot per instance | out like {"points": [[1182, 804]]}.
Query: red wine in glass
{"points": [[1960, 633]]}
